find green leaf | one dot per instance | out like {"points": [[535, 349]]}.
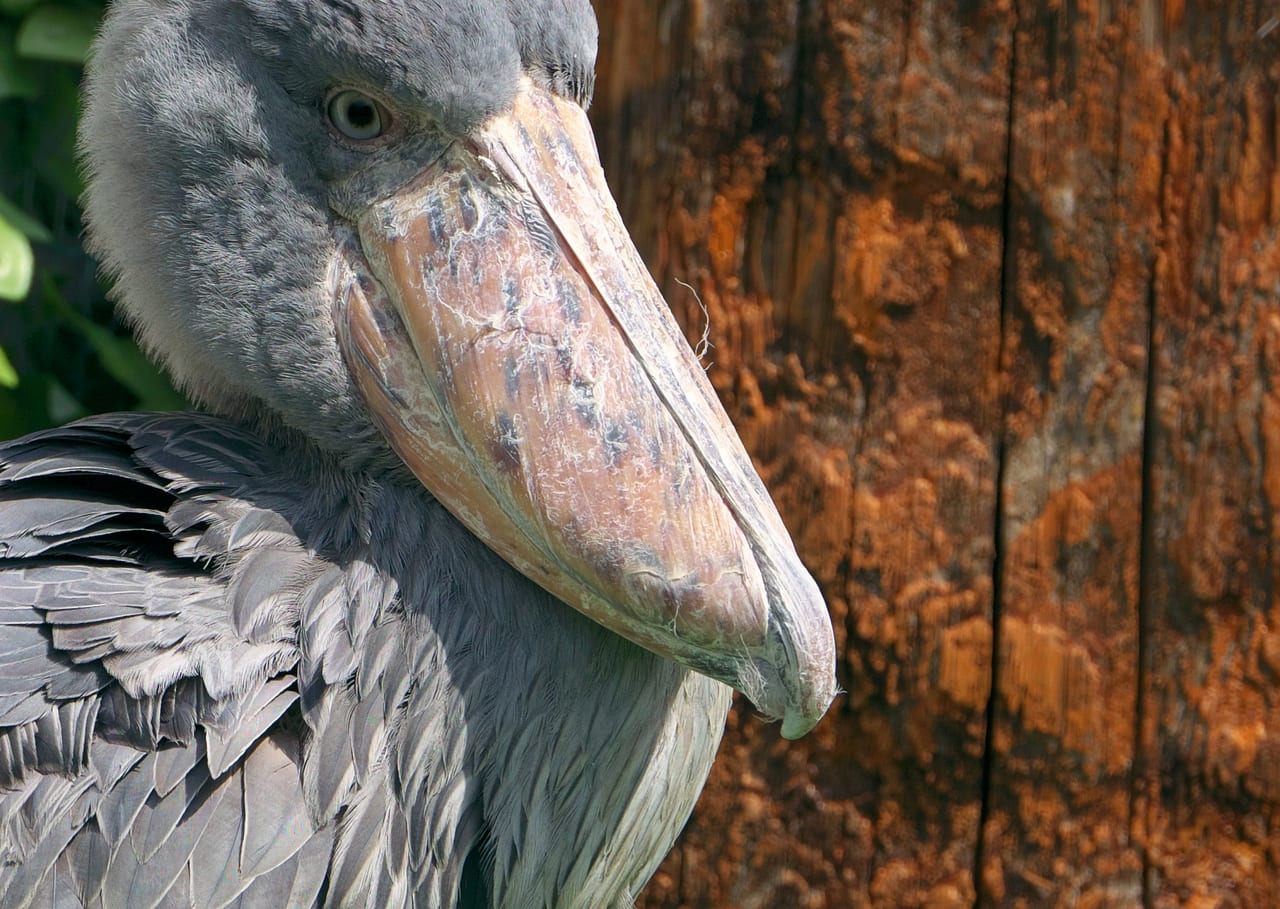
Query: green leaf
{"points": [[17, 8], [28, 225], [8, 375], [16, 262], [51, 131], [61, 404], [58, 33], [16, 78], [121, 358]]}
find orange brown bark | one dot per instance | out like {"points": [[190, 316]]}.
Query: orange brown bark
{"points": [[992, 292]]}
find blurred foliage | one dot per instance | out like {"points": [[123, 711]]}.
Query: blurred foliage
{"points": [[62, 353]]}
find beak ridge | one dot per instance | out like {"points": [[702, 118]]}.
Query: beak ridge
{"points": [[522, 363]]}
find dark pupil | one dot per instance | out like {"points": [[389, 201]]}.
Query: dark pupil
{"points": [[360, 114]]}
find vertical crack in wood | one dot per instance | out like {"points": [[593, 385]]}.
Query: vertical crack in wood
{"points": [[804, 36], [895, 115], [1008, 276], [1140, 789]]}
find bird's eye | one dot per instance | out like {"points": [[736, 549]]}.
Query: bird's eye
{"points": [[357, 116]]}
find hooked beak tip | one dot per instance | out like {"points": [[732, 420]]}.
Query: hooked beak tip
{"points": [[796, 724], [796, 672], [804, 699]]}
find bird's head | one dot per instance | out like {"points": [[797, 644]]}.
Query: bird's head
{"points": [[384, 222]]}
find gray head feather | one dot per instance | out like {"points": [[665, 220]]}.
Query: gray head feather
{"points": [[206, 139]]}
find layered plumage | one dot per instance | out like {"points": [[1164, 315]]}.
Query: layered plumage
{"points": [[231, 672]]}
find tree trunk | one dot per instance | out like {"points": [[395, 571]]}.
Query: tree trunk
{"points": [[991, 293]]}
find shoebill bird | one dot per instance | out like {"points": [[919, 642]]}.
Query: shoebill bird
{"points": [[439, 598]]}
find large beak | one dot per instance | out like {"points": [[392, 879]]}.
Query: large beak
{"points": [[520, 360]]}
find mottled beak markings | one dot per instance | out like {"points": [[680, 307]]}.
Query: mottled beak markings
{"points": [[521, 361]]}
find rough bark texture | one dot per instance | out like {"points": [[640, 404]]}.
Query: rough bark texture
{"points": [[992, 295]]}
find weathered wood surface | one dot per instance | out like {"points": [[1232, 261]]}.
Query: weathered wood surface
{"points": [[994, 298]]}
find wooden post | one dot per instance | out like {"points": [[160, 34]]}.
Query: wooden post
{"points": [[993, 293]]}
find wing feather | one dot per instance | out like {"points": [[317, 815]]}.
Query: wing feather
{"points": [[87, 856], [172, 767], [20, 887], [179, 614], [147, 878], [213, 872], [296, 882], [155, 826], [357, 862], [122, 802], [244, 720]]}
